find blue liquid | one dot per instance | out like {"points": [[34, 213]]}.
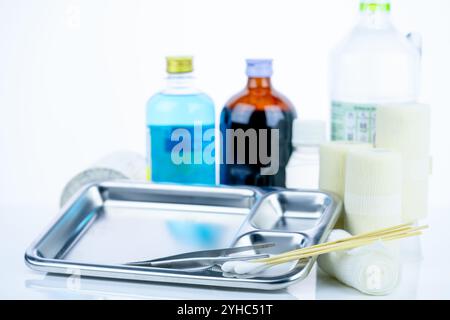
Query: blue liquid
{"points": [[192, 116], [164, 169]]}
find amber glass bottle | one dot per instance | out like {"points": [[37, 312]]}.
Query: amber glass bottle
{"points": [[258, 110]]}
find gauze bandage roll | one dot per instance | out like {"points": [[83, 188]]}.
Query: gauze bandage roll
{"points": [[406, 128], [371, 269], [118, 165], [332, 167], [373, 186]]}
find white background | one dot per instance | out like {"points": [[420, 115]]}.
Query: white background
{"points": [[75, 74]]}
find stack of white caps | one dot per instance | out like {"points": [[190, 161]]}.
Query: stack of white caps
{"points": [[373, 190], [308, 132], [405, 128]]}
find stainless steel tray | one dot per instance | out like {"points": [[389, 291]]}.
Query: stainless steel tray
{"points": [[111, 223]]}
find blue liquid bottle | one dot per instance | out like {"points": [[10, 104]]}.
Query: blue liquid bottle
{"points": [[180, 124]]}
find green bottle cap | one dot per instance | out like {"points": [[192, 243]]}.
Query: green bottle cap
{"points": [[179, 64], [374, 6]]}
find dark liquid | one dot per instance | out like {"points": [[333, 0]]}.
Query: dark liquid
{"points": [[245, 117]]}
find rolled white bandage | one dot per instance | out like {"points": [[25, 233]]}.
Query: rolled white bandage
{"points": [[118, 165], [373, 186], [332, 167], [371, 269], [405, 128]]}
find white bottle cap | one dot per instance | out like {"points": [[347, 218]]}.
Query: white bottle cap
{"points": [[308, 132]]}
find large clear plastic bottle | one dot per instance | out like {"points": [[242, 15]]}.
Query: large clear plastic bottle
{"points": [[180, 123], [373, 65]]}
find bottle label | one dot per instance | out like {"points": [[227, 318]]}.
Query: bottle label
{"points": [[353, 122]]}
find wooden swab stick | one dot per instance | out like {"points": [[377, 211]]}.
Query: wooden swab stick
{"points": [[376, 234], [347, 246], [342, 246], [387, 234], [381, 231], [373, 235], [337, 243]]}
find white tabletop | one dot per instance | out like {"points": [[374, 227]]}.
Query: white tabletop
{"points": [[425, 270]]}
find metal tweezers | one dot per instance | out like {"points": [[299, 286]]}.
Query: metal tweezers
{"points": [[202, 260]]}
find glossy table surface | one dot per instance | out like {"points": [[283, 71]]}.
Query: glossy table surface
{"points": [[424, 276]]}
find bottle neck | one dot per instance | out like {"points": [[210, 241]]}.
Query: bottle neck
{"points": [[180, 83], [375, 14], [258, 83]]}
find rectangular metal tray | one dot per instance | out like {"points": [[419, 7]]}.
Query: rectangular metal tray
{"points": [[111, 223]]}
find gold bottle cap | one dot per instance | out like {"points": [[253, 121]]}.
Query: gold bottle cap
{"points": [[179, 64]]}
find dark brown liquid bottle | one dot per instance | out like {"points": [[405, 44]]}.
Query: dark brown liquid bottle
{"points": [[256, 132]]}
